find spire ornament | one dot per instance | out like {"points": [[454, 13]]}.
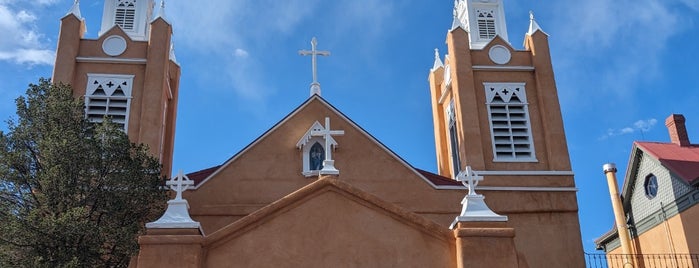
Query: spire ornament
{"points": [[75, 9], [474, 207], [533, 26], [437, 60], [314, 52], [177, 214]]}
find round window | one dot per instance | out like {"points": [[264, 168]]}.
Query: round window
{"points": [[651, 186]]}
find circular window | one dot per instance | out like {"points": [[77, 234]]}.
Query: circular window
{"points": [[114, 45], [651, 186], [499, 54]]}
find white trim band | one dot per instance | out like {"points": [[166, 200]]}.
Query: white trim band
{"points": [[512, 189], [111, 60], [525, 173], [503, 68]]}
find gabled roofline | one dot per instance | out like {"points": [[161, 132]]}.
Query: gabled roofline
{"points": [[409, 218], [341, 115]]}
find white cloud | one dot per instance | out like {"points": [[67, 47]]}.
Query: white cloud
{"points": [[638, 126], [241, 53], [21, 42], [623, 39]]}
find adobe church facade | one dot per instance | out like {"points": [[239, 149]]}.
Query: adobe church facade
{"points": [[504, 194], [129, 73]]}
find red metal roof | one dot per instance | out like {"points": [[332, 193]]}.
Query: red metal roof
{"points": [[201, 175], [680, 160], [437, 179]]}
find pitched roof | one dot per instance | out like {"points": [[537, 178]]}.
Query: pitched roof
{"points": [[202, 176], [680, 160]]}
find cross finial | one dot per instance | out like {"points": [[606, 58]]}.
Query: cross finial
{"points": [[179, 184], [327, 133], [314, 52], [470, 179], [531, 15]]}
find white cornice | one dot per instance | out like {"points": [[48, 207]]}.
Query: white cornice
{"points": [[503, 68], [509, 188], [111, 60], [525, 173]]}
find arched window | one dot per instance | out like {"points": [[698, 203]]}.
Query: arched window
{"points": [[316, 156]]}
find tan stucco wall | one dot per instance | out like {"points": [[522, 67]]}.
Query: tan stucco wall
{"points": [[331, 230], [271, 169], [158, 75]]}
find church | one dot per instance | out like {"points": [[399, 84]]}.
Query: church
{"points": [[504, 194]]}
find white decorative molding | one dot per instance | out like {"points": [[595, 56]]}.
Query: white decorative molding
{"points": [[75, 9], [526, 173], [509, 188], [482, 19], [307, 142], [474, 207], [327, 133], [499, 54], [109, 95], [437, 60], [177, 214], [131, 15], [111, 60], [533, 26], [503, 68], [510, 126], [114, 45]]}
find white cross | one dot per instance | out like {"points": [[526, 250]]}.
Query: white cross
{"points": [[179, 184], [469, 179], [314, 52], [327, 135]]}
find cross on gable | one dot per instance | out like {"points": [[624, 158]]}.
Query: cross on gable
{"points": [[314, 52], [327, 136], [470, 179], [179, 184]]}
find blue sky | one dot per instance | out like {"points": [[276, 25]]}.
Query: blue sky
{"points": [[622, 66]]}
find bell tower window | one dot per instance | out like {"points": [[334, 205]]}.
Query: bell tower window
{"points": [[453, 140], [125, 14], [510, 129], [486, 24], [108, 96], [131, 15]]}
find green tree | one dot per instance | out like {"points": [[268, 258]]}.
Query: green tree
{"points": [[72, 193]]}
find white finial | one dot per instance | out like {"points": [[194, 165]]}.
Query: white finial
{"points": [[328, 164], [75, 9], [474, 207], [179, 184], [437, 60], [470, 179], [177, 214], [315, 86], [161, 12], [533, 26]]}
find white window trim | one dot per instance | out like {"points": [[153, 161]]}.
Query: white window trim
{"points": [[305, 144], [141, 18], [500, 23], [127, 92], [525, 104]]}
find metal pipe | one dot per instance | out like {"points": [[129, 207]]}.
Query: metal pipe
{"points": [[619, 216]]}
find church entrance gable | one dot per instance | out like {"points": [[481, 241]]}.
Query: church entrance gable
{"points": [[331, 224]]}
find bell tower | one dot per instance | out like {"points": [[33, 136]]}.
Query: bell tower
{"points": [[128, 72], [495, 107]]}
